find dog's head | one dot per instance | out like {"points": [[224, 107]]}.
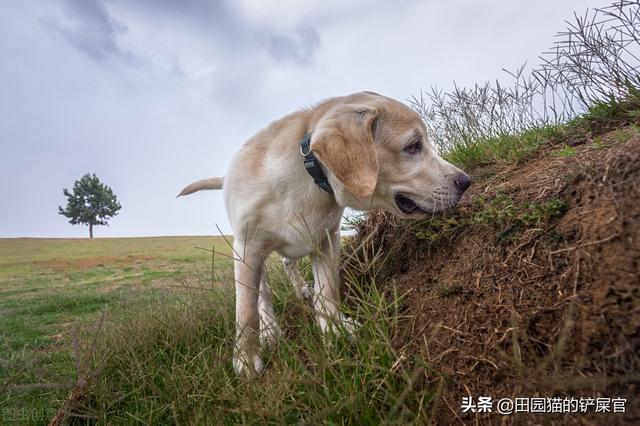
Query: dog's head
{"points": [[379, 151]]}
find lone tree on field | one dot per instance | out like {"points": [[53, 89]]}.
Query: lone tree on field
{"points": [[90, 203]]}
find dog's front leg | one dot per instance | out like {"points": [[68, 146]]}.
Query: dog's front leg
{"points": [[325, 264], [248, 271], [269, 329]]}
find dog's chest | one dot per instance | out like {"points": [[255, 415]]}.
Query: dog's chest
{"points": [[295, 251], [302, 235]]}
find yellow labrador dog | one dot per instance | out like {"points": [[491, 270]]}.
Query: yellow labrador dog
{"points": [[287, 187]]}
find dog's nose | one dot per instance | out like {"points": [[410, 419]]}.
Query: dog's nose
{"points": [[463, 181]]}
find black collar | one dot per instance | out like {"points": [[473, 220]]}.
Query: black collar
{"points": [[312, 165]]}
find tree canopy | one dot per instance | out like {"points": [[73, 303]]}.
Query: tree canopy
{"points": [[90, 202]]}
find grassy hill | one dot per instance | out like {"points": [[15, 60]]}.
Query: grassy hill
{"points": [[532, 286]]}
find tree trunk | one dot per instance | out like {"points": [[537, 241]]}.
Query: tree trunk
{"points": [[90, 230]]}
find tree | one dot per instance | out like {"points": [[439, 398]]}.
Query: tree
{"points": [[90, 203]]}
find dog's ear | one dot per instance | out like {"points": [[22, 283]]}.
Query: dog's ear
{"points": [[343, 142]]}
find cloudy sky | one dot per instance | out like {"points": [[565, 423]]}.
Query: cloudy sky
{"points": [[153, 94]]}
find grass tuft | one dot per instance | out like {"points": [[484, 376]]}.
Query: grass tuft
{"points": [[502, 211], [169, 362], [506, 148]]}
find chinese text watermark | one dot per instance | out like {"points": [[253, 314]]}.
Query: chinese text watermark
{"points": [[506, 406]]}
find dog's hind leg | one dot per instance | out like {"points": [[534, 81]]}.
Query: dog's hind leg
{"points": [[300, 287], [248, 272], [327, 288]]}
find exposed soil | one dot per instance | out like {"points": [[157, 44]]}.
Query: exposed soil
{"points": [[531, 288]]}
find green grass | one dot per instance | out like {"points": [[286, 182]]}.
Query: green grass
{"points": [[621, 136], [501, 211], [603, 116], [156, 339], [169, 363], [505, 148], [48, 287], [611, 113], [565, 151]]}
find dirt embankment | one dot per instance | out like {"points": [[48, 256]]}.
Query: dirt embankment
{"points": [[532, 286]]}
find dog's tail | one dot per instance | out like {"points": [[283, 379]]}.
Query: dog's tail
{"points": [[211, 183]]}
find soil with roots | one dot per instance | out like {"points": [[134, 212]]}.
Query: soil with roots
{"points": [[529, 288]]}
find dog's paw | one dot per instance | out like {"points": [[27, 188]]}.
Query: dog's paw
{"points": [[242, 367]]}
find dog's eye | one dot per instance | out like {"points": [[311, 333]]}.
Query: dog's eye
{"points": [[414, 147]]}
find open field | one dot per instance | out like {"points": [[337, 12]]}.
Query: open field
{"points": [[140, 322], [50, 286]]}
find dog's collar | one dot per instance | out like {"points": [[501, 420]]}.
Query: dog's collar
{"points": [[312, 165]]}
